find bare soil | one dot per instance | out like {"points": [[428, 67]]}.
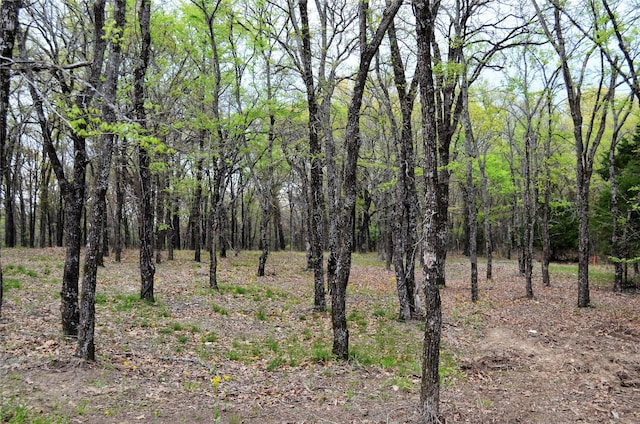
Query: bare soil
{"points": [[255, 353]]}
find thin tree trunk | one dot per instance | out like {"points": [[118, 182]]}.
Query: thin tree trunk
{"points": [[147, 268], [86, 345], [471, 153], [316, 233], [9, 23], [488, 239], [339, 272], [429, 406], [120, 180]]}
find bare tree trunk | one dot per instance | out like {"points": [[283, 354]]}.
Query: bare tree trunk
{"points": [[339, 274], [587, 134], [266, 203], [196, 214], [471, 149], [429, 406], [528, 218], [86, 346], [147, 268], [120, 181], [488, 239], [545, 214], [316, 193], [73, 190], [9, 11]]}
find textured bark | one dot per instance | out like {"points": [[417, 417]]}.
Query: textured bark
{"points": [[266, 203], [471, 150], [429, 405], [86, 345], [316, 196], [196, 214], [339, 275], [147, 268], [405, 228], [9, 11], [45, 203]]}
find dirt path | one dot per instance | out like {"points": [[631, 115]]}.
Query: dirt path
{"points": [[255, 353]]}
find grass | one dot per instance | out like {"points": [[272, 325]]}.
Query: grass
{"points": [[219, 309], [10, 284], [599, 275], [16, 413]]}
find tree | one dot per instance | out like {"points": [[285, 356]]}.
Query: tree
{"points": [[339, 274], [147, 269], [8, 30], [86, 345], [425, 13], [80, 121], [587, 133], [405, 227], [315, 187]]}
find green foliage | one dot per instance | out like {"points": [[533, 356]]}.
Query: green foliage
{"points": [[627, 178], [563, 230]]}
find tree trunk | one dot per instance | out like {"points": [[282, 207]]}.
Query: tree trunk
{"points": [[120, 181], [9, 10], [528, 218], [405, 226], [339, 272], [488, 239], [471, 150], [429, 406], [147, 268], [86, 346], [316, 195]]}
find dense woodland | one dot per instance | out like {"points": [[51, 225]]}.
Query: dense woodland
{"points": [[409, 128]]}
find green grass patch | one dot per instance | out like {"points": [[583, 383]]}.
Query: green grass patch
{"points": [[16, 413], [275, 363], [10, 284], [358, 318], [125, 302], [210, 337], [449, 371], [321, 352], [219, 309]]}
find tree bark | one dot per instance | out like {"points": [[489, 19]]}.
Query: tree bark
{"points": [[339, 274], [73, 191], [147, 268], [471, 150], [9, 11], [316, 233], [429, 407], [86, 345]]}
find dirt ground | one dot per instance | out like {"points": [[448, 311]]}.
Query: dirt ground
{"points": [[255, 353]]}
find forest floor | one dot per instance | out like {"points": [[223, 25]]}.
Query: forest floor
{"points": [[254, 352]]}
